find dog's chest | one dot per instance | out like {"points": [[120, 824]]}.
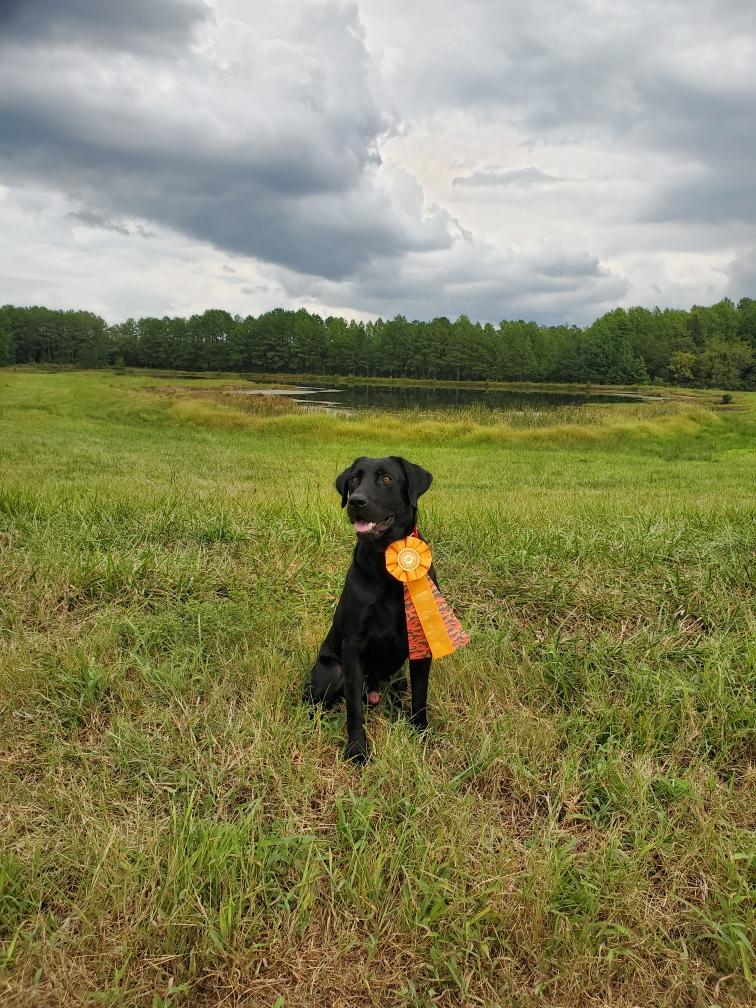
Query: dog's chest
{"points": [[385, 615], [384, 629]]}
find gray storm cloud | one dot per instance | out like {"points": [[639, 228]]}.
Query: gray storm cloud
{"points": [[136, 24], [275, 157], [519, 177]]}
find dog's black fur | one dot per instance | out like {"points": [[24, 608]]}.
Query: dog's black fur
{"points": [[367, 642]]}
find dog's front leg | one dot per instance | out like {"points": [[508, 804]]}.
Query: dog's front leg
{"points": [[419, 672], [357, 746]]}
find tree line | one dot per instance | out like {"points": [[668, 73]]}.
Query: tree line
{"points": [[704, 346]]}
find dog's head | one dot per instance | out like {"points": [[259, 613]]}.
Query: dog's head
{"points": [[381, 494]]}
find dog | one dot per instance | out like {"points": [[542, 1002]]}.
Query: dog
{"points": [[367, 643]]}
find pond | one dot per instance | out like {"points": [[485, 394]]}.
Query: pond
{"points": [[394, 397]]}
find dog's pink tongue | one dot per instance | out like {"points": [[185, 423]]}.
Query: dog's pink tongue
{"points": [[363, 526]]}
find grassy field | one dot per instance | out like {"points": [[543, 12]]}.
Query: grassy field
{"points": [[576, 830]]}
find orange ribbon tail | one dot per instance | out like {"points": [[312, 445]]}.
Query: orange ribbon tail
{"points": [[431, 641]]}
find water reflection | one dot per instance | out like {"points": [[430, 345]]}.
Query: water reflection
{"points": [[441, 397]]}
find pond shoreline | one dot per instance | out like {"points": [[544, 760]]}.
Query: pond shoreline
{"points": [[653, 393]]}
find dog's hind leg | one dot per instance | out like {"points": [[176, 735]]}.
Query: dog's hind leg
{"points": [[326, 683]]}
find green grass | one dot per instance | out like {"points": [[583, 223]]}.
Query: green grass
{"points": [[577, 829]]}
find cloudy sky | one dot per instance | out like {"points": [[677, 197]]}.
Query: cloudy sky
{"points": [[539, 159]]}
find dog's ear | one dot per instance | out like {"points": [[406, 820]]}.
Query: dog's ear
{"points": [[342, 480], [418, 479]]}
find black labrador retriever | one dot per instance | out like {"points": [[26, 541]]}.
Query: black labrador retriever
{"points": [[367, 643]]}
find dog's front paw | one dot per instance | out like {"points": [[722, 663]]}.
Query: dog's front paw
{"points": [[419, 721], [357, 751]]}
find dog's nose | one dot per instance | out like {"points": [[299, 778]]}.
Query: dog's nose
{"points": [[357, 500]]}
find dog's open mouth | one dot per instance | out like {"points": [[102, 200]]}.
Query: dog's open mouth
{"points": [[362, 527]]}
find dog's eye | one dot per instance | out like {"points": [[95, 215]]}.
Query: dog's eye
{"points": [[386, 478], [354, 479]]}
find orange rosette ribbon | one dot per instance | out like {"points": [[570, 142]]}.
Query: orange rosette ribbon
{"points": [[432, 628]]}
